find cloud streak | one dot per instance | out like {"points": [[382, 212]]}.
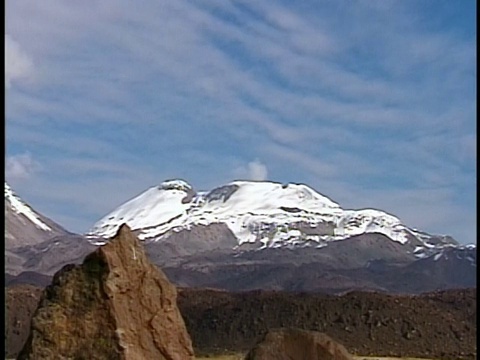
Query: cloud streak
{"points": [[130, 96], [18, 65], [20, 167]]}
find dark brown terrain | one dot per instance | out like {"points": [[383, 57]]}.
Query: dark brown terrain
{"points": [[433, 325]]}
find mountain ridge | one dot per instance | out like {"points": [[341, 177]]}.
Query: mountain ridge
{"points": [[277, 251], [35, 245], [24, 225], [263, 213]]}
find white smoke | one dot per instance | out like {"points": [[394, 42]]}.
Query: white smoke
{"points": [[257, 171]]}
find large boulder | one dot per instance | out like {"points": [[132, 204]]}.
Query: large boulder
{"points": [[297, 344], [116, 305], [21, 301]]}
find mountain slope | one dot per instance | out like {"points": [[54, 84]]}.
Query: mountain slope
{"points": [[25, 226], [253, 235], [260, 215], [35, 245], [249, 235]]}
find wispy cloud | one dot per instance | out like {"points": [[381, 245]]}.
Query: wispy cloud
{"points": [[20, 167], [18, 65], [367, 113]]}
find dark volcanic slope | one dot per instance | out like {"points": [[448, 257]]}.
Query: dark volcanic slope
{"points": [[439, 325], [35, 264], [50, 256], [434, 325], [325, 270]]}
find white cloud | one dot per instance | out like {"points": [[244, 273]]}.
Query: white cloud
{"points": [[20, 167], [18, 64], [343, 108]]}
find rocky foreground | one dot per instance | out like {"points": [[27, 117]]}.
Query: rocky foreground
{"points": [[116, 305], [438, 325], [119, 300]]}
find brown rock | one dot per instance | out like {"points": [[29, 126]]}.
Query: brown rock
{"points": [[116, 305], [21, 301], [297, 344]]}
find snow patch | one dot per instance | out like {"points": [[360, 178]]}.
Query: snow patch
{"points": [[21, 208], [175, 184]]}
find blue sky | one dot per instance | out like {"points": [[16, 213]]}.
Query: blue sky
{"points": [[371, 103]]}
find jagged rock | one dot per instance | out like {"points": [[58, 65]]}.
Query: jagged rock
{"points": [[116, 305], [297, 344]]}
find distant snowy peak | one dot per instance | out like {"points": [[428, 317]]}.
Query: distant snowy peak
{"points": [[175, 199], [464, 252], [176, 184], [269, 214], [19, 207]]}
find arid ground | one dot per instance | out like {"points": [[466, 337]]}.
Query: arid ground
{"points": [[439, 325]]}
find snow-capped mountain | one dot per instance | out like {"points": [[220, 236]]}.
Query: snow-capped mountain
{"points": [[264, 214], [25, 226], [36, 244], [204, 239], [466, 253]]}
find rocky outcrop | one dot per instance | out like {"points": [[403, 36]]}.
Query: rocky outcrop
{"points": [[297, 344], [21, 302], [116, 305]]}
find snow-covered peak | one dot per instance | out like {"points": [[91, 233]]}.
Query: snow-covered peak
{"points": [[357, 222], [19, 207], [158, 204], [176, 184], [268, 213], [462, 252], [265, 196]]}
